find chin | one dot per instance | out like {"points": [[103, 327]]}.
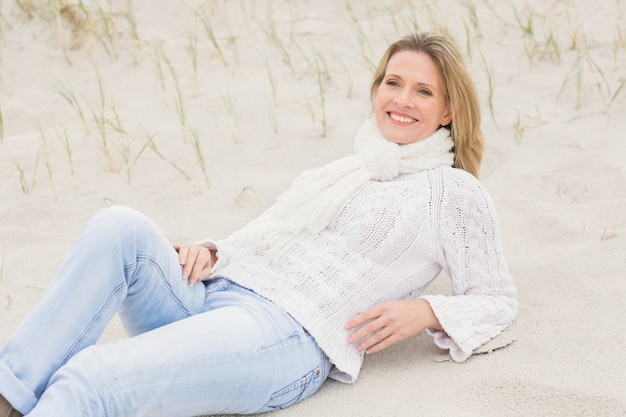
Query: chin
{"points": [[404, 142], [400, 140]]}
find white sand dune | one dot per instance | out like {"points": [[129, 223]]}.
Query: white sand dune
{"points": [[200, 113]]}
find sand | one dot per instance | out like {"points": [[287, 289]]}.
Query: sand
{"points": [[200, 113]]}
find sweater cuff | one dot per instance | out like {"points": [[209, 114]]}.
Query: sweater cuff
{"points": [[443, 341], [457, 336]]}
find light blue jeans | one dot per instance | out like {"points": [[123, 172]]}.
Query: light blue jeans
{"points": [[214, 348]]}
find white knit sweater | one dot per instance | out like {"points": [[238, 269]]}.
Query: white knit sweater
{"points": [[389, 242]]}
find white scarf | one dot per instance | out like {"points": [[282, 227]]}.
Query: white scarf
{"points": [[314, 197]]}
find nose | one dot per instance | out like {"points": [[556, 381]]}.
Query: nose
{"points": [[404, 98]]}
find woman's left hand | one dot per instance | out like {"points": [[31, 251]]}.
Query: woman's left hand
{"points": [[196, 262], [391, 322]]}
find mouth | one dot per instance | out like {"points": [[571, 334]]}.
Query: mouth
{"points": [[401, 119]]}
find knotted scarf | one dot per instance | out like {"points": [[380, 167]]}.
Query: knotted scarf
{"points": [[314, 197]]}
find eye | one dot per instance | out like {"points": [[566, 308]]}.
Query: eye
{"points": [[424, 92], [392, 83]]}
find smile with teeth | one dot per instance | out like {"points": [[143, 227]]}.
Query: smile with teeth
{"points": [[401, 119]]}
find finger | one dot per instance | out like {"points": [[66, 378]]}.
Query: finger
{"points": [[382, 344], [362, 318], [377, 337], [192, 281], [370, 321], [205, 274], [192, 274], [182, 254], [187, 256], [200, 264], [365, 332]]}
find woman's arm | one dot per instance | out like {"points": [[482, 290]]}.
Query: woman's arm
{"points": [[484, 297], [468, 247]]}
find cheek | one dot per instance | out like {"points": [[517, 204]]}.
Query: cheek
{"points": [[382, 94], [381, 101], [434, 112], [441, 109]]}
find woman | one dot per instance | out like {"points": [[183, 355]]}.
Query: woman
{"points": [[332, 271]]}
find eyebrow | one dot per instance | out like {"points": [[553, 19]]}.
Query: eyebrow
{"points": [[420, 83]]}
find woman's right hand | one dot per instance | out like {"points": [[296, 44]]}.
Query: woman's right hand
{"points": [[196, 262]]}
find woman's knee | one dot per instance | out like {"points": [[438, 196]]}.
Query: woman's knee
{"points": [[119, 216], [120, 221]]}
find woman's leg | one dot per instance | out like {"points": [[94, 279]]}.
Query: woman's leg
{"points": [[243, 355], [121, 260]]}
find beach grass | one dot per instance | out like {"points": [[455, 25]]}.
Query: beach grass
{"points": [[273, 46]]}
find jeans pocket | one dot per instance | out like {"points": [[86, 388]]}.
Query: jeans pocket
{"points": [[295, 392]]}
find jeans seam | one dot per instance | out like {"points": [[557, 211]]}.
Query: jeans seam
{"points": [[148, 260], [71, 351], [91, 324]]}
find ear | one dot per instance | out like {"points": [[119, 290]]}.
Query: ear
{"points": [[447, 117]]}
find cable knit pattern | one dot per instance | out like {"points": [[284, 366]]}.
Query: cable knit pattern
{"points": [[388, 241], [314, 197]]}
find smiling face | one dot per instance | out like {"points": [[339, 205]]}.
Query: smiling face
{"points": [[410, 101]]}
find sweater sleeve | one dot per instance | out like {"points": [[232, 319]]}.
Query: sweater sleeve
{"points": [[484, 298]]}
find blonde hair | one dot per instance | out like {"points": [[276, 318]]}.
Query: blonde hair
{"points": [[460, 93]]}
